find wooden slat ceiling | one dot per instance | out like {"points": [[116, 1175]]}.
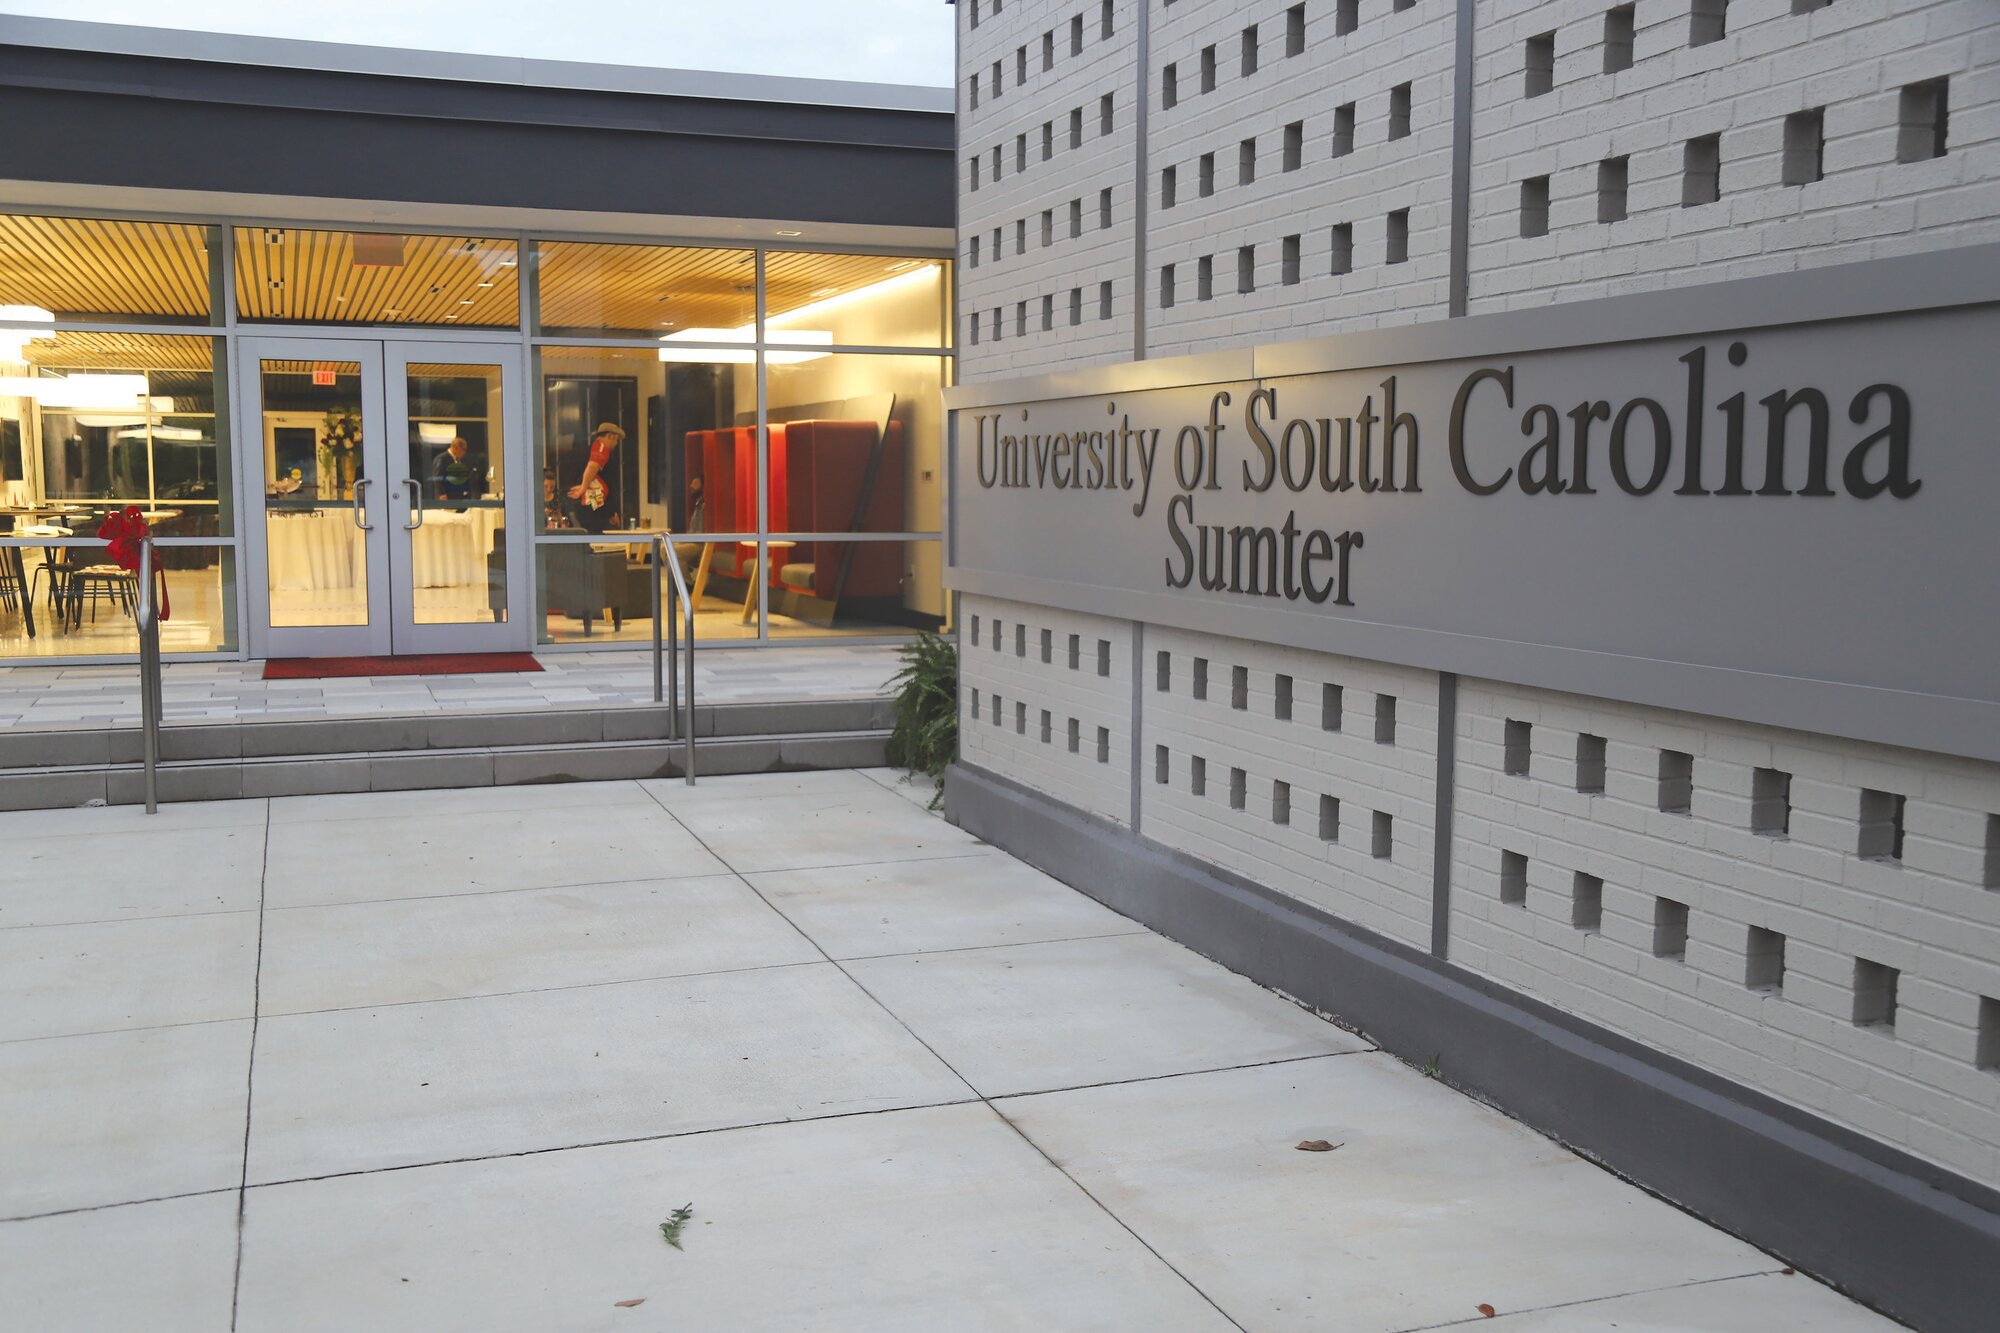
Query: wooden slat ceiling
{"points": [[311, 277], [120, 351], [587, 287], [793, 279], [87, 269]]}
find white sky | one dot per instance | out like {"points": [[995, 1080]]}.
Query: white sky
{"points": [[868, 41]]}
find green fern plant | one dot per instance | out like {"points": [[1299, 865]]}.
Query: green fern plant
{"points": [[925, 739]]}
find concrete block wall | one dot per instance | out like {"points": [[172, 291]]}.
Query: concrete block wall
{"points": [[1357, 190], [1832, 888], [1034, 248], [1849, 61], [1302, 729], [1045, 697]]}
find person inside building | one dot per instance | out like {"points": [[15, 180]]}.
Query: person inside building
{"points": [[595, 510], [453, 476]]}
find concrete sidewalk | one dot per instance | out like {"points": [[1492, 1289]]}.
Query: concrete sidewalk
{"points": [[446, 1060]]}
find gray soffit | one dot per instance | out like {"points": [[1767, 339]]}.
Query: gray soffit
{"points": [[715, 146]]}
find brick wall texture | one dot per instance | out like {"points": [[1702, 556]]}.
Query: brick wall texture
{"points": [[1815, 111], [1814, 918]]}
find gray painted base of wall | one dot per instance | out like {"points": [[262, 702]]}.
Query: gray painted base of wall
{"points": [[1905, 1237]]}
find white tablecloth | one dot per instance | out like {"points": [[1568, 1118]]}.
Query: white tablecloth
{"points": [[315, 552], [449, 550]]}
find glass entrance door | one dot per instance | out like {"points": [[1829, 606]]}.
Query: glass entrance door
{"points": [[385, 525]]}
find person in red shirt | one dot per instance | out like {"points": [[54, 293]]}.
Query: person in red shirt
{"points": [[591, 494]]}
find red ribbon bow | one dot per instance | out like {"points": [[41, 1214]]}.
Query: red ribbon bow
{"points": [[124, 529]]}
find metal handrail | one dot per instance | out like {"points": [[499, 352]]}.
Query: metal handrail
{"points": [[147, 616], [663, 555]]}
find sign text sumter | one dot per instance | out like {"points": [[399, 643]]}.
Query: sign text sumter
{"points": [[1753, 441]]}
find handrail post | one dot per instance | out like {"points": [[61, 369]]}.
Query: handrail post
{"points": [[150, 688], [666, 560], [658, 694], [689, 741], [673, 662]]}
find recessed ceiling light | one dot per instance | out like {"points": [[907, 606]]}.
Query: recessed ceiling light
{"points": [[451, 316], [485, 284], [507, 263], [465, 303], [782, 232]]}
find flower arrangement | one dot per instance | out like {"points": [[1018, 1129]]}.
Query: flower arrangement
{"points": [[339, 449]]}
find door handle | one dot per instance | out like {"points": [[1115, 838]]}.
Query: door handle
{"points": [[416, 503], [360, 512]]}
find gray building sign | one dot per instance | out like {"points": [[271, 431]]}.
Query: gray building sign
{"points": [[1792, 522]]}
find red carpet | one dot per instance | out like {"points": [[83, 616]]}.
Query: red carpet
{"points": [[422, 664]]}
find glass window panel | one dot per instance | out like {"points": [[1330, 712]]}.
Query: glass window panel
{"points": [[81, 605], [316, 556], [458, 554], [685, 462], [855, 300], [834, 588], [587, 289], [856, 443], [95, 421], [344, 277], [602, 592], [101, 270]]}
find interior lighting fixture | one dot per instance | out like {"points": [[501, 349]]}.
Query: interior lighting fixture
{"points": [[13, 342], [782, 232], [436, 432], [77, 391], [741, 356], [137, 431], [926, 269]]}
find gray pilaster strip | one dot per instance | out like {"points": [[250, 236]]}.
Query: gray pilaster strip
{"points": [[1447, 755], [1138, 718], [1144, 47], [1461, 161]]}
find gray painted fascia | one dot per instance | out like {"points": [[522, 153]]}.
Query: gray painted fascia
{"points": [[341, 57], [1969, 275], [1892, 1230]]}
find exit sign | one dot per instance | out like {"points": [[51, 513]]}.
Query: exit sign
{"points": [[323, 376]]}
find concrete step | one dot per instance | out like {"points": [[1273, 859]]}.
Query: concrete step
{"points": [[416, 768], [259, 739]]}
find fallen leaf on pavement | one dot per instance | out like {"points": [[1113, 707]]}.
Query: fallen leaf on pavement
{"points": [[1486, 1310], [1319, 1145], [626, 1305]]}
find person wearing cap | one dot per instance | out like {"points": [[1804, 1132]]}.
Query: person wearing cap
{"points": [[591, 493]]}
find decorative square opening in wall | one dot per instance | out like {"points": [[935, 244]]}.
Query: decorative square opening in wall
{"points": [[1875, 986]]}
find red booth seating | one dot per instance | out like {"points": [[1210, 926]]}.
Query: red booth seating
{"points": [[817, 469], [828, 463]]}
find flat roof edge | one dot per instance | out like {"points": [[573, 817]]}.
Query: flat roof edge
{"points": [[291, 53]]}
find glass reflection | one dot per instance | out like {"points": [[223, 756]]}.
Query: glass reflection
{"points": [[316, 553], [349, 277], [856, 444], [457, 456], [854, 300], [849, 588], [680, 293]]}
